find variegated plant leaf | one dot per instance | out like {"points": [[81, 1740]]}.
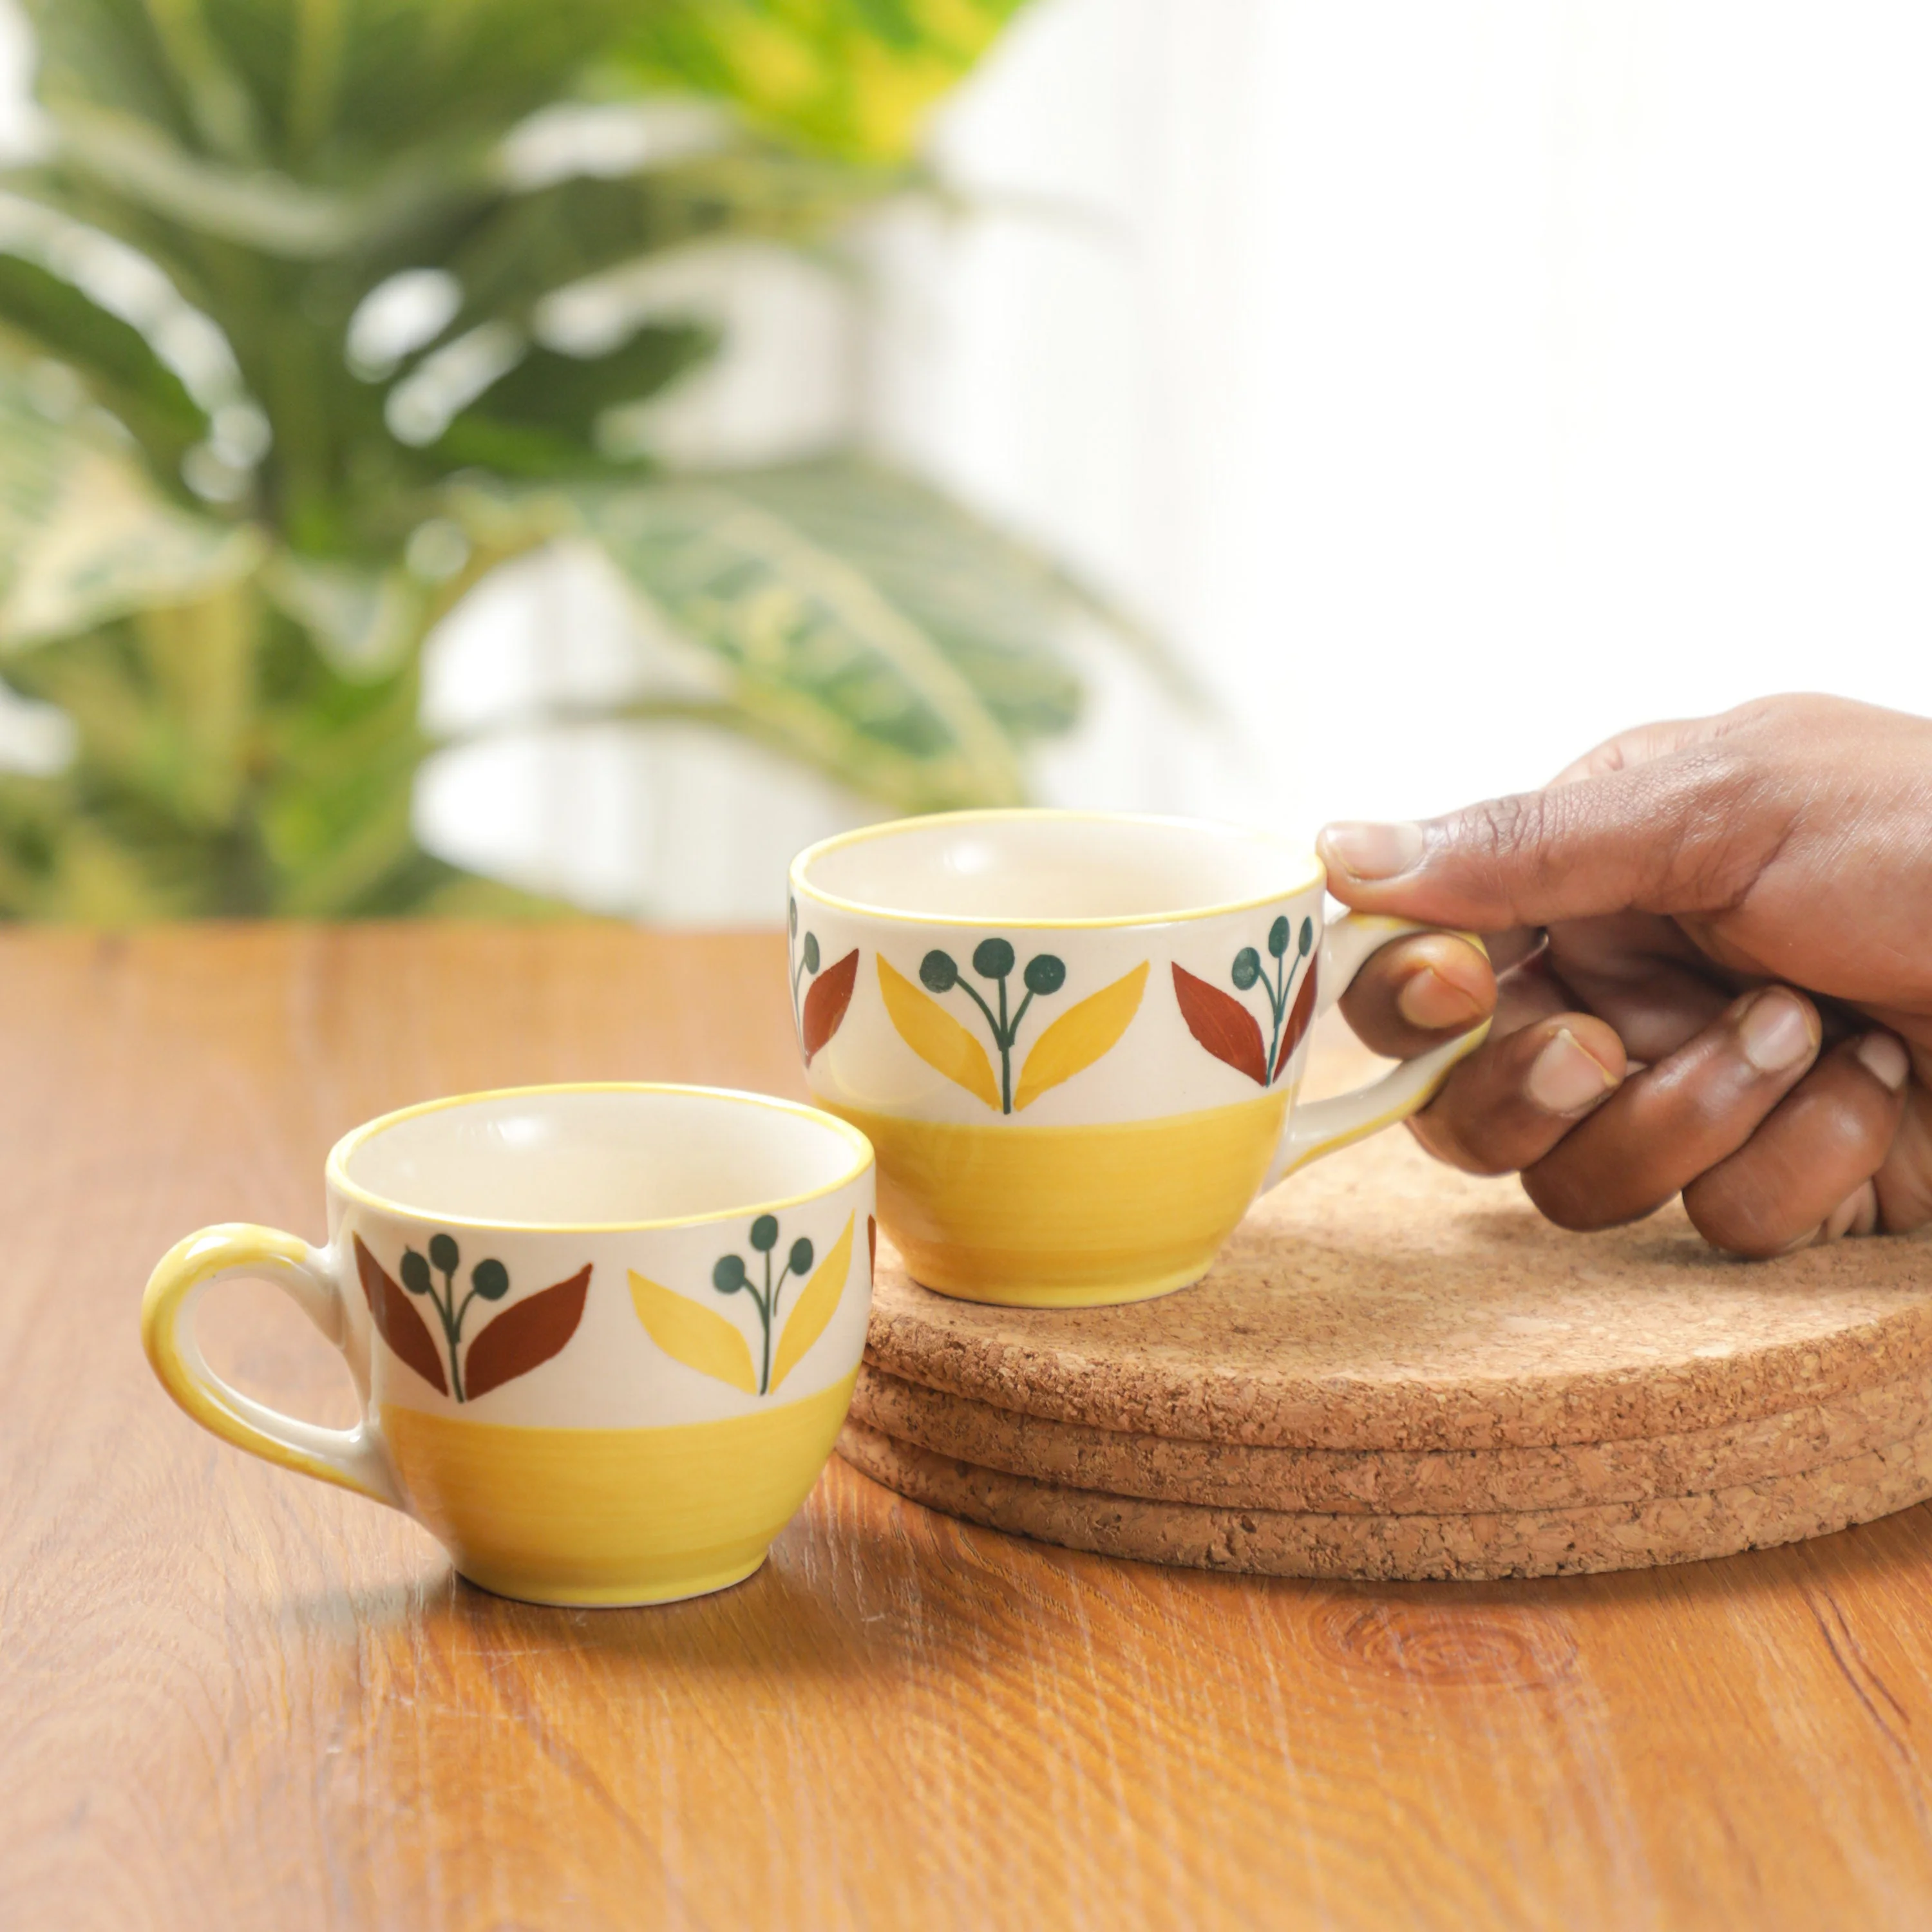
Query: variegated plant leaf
{"points": [[821, 658], [366, 620], [84, 538], [854, 76], [1002, 610], [43, 311]]}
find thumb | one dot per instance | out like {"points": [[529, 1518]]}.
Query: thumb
{"points": [[1689, 833]]}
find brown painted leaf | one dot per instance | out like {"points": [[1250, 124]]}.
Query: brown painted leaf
{"points": [[525, 1335], [1222, 1025], [872, 1242], [398, 1322], [1299, 1014], [825, 1001]]}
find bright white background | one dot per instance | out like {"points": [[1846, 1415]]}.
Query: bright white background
{"points": [[1456, 381]]}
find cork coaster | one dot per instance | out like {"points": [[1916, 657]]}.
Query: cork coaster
{"points": [[1382, 1302], [1372, 1482], [1395, 1369], [1525, 1543]]}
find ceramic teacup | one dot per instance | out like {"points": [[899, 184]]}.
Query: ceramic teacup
{"points": [[1075, 1038], [604, 1336]]}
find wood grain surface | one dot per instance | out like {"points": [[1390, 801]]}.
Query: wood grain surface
{"points": [[229, 1697]]}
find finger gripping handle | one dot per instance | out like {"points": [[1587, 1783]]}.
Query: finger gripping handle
{"points": [[352, 1458], [1321, 1126]]}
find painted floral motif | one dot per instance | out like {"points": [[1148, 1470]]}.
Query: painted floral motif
{"points": [[703, 1339], [521, 1339], [828, 996], [1228, 1029], [1071, 1044]]}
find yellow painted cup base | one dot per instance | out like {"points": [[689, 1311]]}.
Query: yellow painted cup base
{"points": [[1069, 1217], [612, 1516], [700, 1582]]}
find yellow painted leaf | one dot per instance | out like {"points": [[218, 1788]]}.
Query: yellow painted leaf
{"points": [[936, 1037], [1081, 1036], [689, 1333], [814, 1307]]}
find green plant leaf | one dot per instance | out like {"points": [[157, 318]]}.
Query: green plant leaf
{"points": [[335, 825], [68, 854], [566, 394], [324, 84], [523, 247], [119, 367], [149, 819], [541, 419], [107, 51], [132, 161]]}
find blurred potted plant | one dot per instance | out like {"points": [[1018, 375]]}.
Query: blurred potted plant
{"points": [[282, 377]]}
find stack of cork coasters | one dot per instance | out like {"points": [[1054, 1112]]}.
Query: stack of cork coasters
{"points": [[1395, 1371]]}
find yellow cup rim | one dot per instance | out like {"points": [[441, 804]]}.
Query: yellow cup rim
{"points": [[336, 1170], [1312, 872]]}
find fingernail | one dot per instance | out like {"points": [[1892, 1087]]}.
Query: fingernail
{"points": [[1371, 851], [1776, 1032], [1431, 1002], [1564, 1079], [1885, 1060]]}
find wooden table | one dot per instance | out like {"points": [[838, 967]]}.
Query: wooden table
{"points": [[231, 1698]]}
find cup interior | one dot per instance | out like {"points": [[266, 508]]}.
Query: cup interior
{"points": [[597, 1156], [1054, 869]]}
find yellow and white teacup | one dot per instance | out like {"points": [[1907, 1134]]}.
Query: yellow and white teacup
{"points": [[1075, 1038], [604, 1336]]}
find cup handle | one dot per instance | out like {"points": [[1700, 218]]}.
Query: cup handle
{"points": [[352, 1458], [1321, 1126]]}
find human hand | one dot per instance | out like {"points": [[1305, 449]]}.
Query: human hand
{"points": [[1712, 968]]}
